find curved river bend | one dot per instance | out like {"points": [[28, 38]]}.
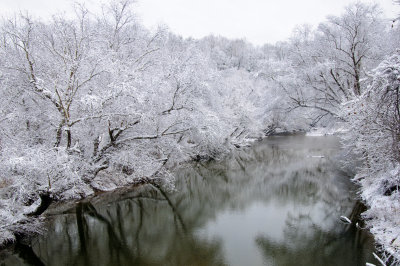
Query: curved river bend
{"points": [[275, 203]]}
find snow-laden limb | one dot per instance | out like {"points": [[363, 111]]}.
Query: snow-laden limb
{"points": [[26, 176], [379, 259], [345, 219]]}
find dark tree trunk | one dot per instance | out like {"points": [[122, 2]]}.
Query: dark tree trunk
{"points": [[46, 200], [69, 139]]}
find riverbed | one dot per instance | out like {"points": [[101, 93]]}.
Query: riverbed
{"points": [[277, 202]]}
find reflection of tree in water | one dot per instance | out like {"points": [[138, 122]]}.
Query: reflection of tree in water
{"points": [[143, 229], [267, 172], [287, 177], [148, 226], [319, 248]]}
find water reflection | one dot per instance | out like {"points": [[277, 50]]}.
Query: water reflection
{"points": [[276, 203]]}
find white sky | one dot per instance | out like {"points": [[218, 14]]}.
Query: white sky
{"points": [[258, 21]]}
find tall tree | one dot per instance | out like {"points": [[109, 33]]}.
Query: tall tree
{"points": [[329, 66]]}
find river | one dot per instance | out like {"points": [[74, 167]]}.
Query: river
{"points": [[277, 202]]}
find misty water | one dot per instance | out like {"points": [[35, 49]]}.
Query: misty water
{"points": [[275, 203]]}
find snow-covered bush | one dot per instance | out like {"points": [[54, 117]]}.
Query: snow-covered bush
{"points": [[374, 135]]}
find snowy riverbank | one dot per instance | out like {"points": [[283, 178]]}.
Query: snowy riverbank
{"points": [[382, 197]]}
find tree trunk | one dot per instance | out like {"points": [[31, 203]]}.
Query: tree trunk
{"points": [[69, 138]]}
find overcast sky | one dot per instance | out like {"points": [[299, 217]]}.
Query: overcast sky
{"points": [[259, 21]]}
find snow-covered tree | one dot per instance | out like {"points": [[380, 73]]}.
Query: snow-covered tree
{"points": [[329, 64], [97, 101]]}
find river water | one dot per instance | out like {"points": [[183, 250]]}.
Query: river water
{"points": [[275, 203]]}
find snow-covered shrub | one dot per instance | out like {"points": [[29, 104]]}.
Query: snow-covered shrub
{"points": [[374, 135]]}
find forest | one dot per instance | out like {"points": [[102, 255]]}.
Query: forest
{"points": [[98, 102]]}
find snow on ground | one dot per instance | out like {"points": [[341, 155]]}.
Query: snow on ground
{"points": [[325, 131]]}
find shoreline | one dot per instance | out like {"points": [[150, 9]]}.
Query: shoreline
{"points": [[67, 205]]}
